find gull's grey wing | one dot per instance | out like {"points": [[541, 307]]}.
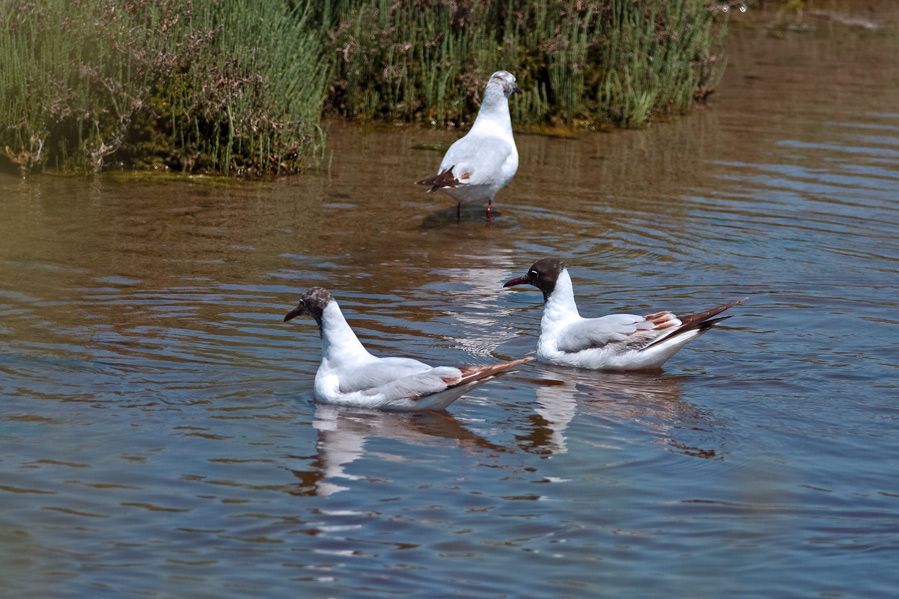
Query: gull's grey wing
{"points": [[380, 372], [599, 332], [637, 332], [441, 386], [417, 384], [475, 160]]}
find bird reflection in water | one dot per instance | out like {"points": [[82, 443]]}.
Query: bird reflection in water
{"points": [[650, 400], [343, 433]]}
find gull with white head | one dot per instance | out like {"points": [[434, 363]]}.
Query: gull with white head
{"points": [[478, 165], [350, 376], [614, 342]]}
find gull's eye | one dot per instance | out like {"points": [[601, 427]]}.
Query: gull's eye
{"points": [[302, 304], [533, 274]]}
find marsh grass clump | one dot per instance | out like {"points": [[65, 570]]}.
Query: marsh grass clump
{"points": [[238, 87], [597, 62], [67, 93], [229, 87]]}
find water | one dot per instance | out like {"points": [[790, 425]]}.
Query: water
{"points": [[157, 434]]}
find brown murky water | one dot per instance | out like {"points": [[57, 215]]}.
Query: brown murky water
{"points": [[157, 434]]}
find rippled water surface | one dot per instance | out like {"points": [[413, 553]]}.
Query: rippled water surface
{"points": [[158, 436]]}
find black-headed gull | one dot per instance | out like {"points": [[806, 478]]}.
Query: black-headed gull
{"points": [[350, 376], [614, 342], [478, 165]]}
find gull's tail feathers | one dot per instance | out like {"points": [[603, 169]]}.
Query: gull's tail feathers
{"points": [[697, 321]]}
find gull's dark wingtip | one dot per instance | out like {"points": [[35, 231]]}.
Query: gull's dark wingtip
{"points": [[444, 179], [476, 373]]}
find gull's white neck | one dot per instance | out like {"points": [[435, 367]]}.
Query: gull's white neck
{"points": [[560, 307], [493, 117], [339, 343]]}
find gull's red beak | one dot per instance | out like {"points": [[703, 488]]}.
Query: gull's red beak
{"points": [[516, 281]]}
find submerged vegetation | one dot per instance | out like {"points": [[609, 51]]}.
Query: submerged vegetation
{"points": [[239, 87]]}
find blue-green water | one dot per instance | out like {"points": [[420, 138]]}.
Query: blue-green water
{"points": [[157, 434]]}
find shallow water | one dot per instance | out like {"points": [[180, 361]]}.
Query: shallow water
{"points": [[157, 434]]}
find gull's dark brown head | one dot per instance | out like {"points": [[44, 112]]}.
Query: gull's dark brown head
{"points": [[312, 303], [542, 274]]}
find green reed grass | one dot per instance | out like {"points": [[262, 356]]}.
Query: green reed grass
{"points": [[234, 87], [597, 62], [238, 87]]}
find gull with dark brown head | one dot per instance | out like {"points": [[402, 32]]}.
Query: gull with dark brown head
{"points": [[478, 165], [614, 342], [350, 376]]}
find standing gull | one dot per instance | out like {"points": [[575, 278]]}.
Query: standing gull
{"points": [[350, 376], [478, 165], [614, 342]]}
